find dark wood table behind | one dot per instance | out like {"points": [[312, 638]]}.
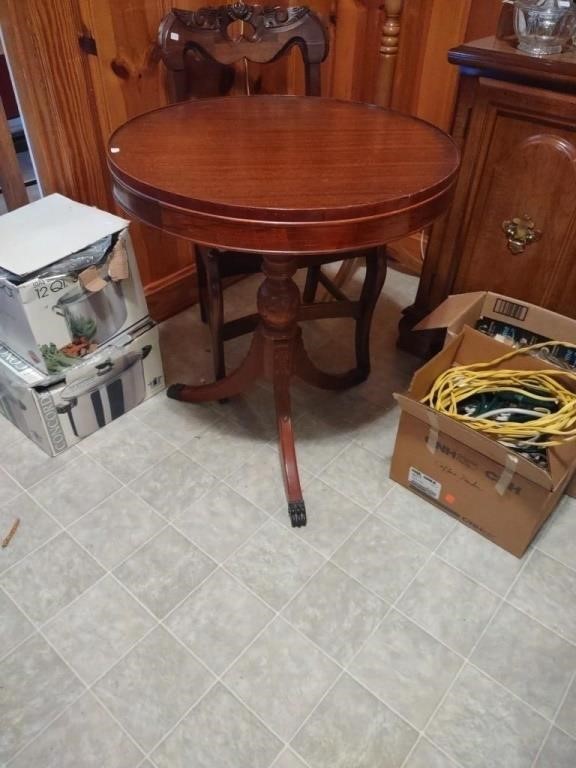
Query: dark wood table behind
{"points": [[282, 176]]}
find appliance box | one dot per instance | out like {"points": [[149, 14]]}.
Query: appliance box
{"points": [[111, 382], [74, 311], [509, 320], [498, 493]]}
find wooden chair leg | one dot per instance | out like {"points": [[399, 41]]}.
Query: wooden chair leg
{"points": [[215, 310], [376, 264], [201, 277], [311, 285], [345, 272]]}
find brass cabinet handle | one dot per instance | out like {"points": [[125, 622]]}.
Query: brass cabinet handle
{"points": [[520, 232]]}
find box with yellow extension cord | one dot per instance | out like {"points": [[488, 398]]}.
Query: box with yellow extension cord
{"points": [[471, 475], [509, 320]]}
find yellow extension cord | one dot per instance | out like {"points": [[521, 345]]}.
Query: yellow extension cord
{"points": [[464, 381]]}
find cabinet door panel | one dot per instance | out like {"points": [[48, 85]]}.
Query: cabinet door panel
{"points": [[524, 144]]}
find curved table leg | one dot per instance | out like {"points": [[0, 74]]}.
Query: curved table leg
{"points": [[238, 381], [278, 304], [306, 370], [281, 381]]}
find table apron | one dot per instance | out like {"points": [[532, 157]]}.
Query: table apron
{"points": [[281, 237]]}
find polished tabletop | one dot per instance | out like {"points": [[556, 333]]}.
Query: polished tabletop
{"points": [[283, 176], [290, 160]]}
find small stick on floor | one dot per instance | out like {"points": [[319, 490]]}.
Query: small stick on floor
{"points": [[11, 532]]}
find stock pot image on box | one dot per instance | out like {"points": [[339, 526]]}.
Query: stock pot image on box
{"points": [[93, 316], [116, 388]]}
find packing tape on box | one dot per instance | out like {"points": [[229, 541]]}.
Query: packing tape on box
{"points": [[508, 473], [434, 433]]}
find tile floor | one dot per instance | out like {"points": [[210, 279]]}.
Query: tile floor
{"points": [[156, 609]]}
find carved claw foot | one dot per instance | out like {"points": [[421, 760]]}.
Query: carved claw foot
{"points": [[297, 512], [174, 391]]}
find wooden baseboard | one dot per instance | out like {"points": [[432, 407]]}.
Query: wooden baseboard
{"points": [[172, 294]]}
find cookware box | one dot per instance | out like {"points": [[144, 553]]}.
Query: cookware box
{"points": [[117, 378], [60, 296]]}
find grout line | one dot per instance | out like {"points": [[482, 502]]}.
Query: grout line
{"points": [[196, 432], [43, 730], [140, 640], [346, 668], [536, 548], [67, 528], [169, 523], [50, 474], [288, 751], [277, 613], [256, 637], [158, 622], [33, 551], [219, 677], [501, 596], [69, 465], [553, 722], [470, 653], [85, 691], [89, 687], [435, 552]]}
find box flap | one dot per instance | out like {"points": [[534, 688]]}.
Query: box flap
{"points": [[530, 317], [455, 308], [49, 229]]}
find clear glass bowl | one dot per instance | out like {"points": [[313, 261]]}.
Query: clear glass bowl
{"points": [[543, 27]]}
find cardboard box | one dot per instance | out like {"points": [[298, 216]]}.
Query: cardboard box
{"points": [[510, 321], [498, 493], [76, 308], [99, 390]]}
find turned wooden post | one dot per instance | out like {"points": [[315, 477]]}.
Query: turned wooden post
{"points": [[11, 181], [388, 54]]}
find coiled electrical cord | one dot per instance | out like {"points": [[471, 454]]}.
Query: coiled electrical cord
{"points": [[551, 417]]}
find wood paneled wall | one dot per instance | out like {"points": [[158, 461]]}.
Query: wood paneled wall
{"points": [[426, 83], [11, 181], [73, 98], [41, 43]]}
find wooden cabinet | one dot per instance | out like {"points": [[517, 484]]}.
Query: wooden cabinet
{"points": [[516, 124]]}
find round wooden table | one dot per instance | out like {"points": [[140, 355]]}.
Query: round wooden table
{"points": [[282, 176]]}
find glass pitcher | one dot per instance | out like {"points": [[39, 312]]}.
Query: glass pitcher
{"points": [[544, 27]]}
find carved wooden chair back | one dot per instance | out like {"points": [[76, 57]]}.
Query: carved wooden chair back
{"points": [[233, 34]]}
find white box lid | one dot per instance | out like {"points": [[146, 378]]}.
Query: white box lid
{"points": [[43, 232]]}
